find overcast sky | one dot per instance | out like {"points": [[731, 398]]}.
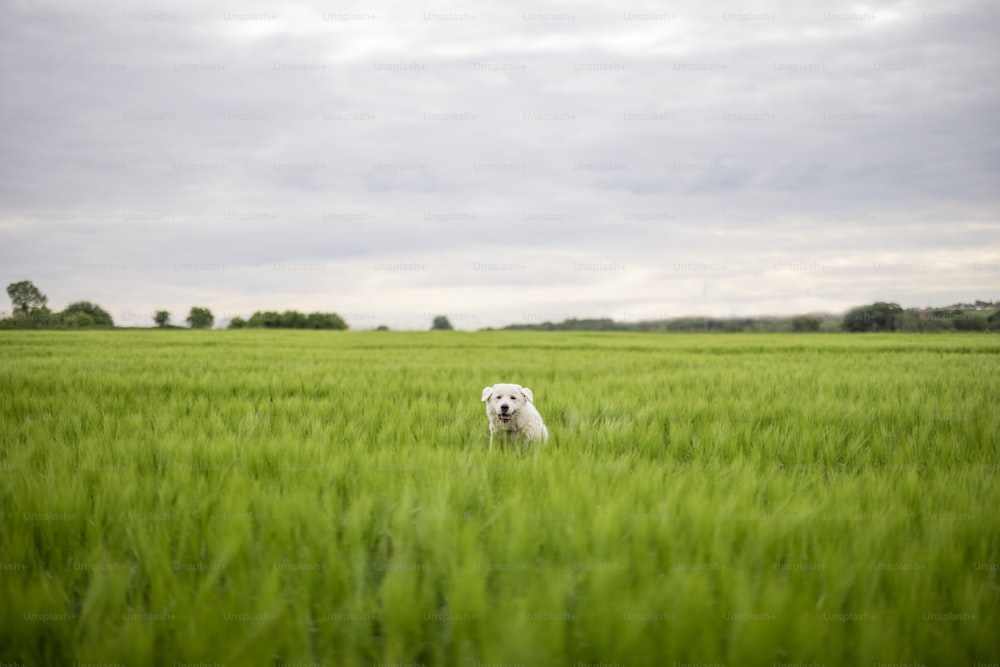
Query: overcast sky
{"points": [[499, 162]]}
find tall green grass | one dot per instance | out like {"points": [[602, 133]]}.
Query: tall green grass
{"points": [[281, 498]]}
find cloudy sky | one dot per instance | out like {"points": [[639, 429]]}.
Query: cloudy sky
{"points": [[499, 162]]}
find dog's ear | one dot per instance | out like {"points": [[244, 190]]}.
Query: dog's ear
{"points": [[487, 392], [527, 394]]}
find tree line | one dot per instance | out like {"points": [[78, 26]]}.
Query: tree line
{"points": [[882, 316], [875, 317], [30, 310], [290, 319]]}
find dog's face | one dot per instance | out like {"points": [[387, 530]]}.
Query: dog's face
{"points": [[504, 400]]}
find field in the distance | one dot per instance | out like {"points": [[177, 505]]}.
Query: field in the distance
{"points": [[281, 498]]}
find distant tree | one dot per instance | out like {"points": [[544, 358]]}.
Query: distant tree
{"points": [[292, 319], [968, 321], [858, 319], [879, 316], [25, 298], [381, 327], [162, 318], [325, 321], [441, 322], [237, 323], [910, 322], [100, 316], [993, 321], [318, 321], [936, 321], [78, 319], [268, 319], [200, 318], [805, 324], [39, 317]]}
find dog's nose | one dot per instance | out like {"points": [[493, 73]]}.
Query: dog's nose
{"points": [[504, 408]]}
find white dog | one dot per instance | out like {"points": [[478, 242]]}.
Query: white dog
{"points": [[512, 413]]}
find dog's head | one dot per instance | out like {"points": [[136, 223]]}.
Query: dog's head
{"points": [[504, 400]]}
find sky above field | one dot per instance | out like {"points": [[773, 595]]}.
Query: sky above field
{"points": [[499, 162]]}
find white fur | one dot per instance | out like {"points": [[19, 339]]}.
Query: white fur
{"points": [[524, 425]]}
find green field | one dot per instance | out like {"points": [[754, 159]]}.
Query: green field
{"points": [[317, 498]]}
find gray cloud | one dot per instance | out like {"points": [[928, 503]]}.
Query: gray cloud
{"points": [[500, 162]]}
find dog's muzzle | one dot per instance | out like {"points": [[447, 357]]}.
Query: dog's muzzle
{"points": [[505, 416]]}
